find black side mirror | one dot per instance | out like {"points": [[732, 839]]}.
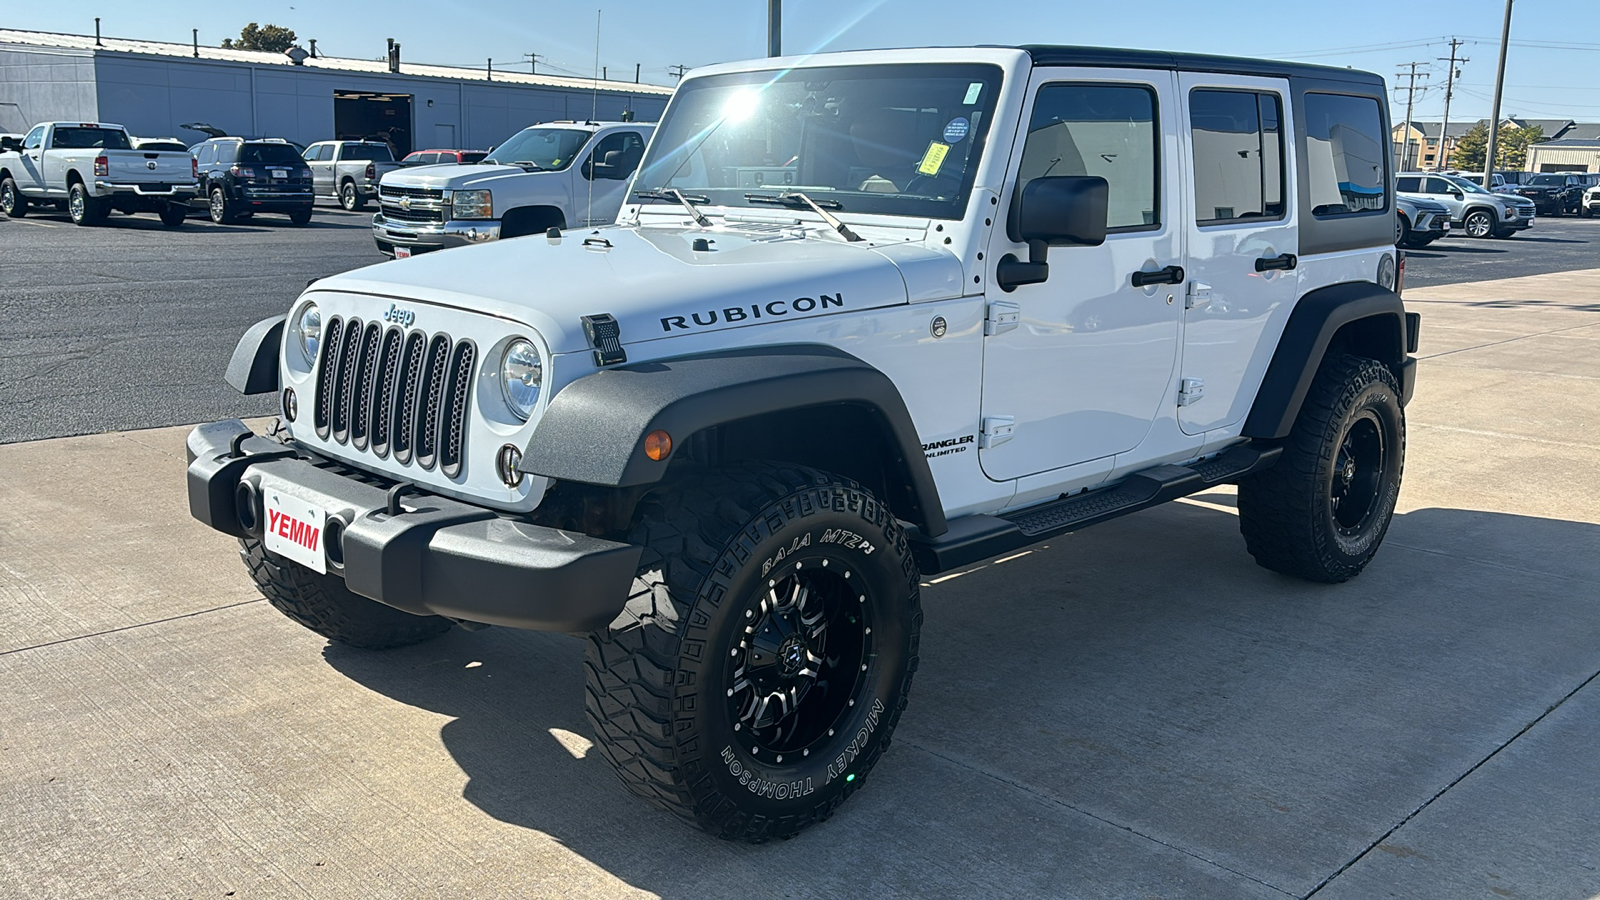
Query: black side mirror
{"points": [[10, 144], [1060, 210]]}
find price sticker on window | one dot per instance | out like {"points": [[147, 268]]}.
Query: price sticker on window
{"points": [[933, 160]]}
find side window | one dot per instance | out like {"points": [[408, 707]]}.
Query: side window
{"points": [[206, 155], [34, 138], [1408, 185], [1439, 186], [429, 159], [310, 155], [1345, 148], [1099, 129], [1238, 155], [615, 156]]}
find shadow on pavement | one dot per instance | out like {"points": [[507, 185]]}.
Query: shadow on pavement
{"points": [[1144, 674]]}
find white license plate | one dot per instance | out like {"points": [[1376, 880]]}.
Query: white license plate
{"points": [[278, 174], [402, 253], [294, 527]]}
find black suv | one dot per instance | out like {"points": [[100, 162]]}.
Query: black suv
{"points": [[239, 178], [1554, 193]]}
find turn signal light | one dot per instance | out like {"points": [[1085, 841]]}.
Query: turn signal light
{"points": [[657, 445], [102, 166]]}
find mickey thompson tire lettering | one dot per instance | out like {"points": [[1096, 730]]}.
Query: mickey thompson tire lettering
{"points": [[657, 684], [323, 604], [1290, 514]]}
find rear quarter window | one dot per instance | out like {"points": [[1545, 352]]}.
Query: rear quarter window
{"points": [[1344, 154]]}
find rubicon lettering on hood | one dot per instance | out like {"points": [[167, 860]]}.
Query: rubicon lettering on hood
{"points": [[286, 526], [754, 311]]}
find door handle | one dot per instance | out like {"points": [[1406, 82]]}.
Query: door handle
{"points": [[1169, 275], [1285, 262]]}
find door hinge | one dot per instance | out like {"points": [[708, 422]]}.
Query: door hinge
{"points": [[1199, 295], [1003, 316], [996, 431], [1190, 390]]}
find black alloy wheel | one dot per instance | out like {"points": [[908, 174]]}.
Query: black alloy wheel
{"points": [[1357, 474]]}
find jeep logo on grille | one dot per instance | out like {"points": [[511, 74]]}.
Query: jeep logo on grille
{"points": [[402, 317]]}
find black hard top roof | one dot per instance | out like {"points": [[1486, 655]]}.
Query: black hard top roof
{"points": [[1107, 57]]}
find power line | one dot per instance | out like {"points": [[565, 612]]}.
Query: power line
{"points": [[1411, 95], [677, 71], [1443, 153]]}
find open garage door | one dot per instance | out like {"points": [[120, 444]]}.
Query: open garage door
{"points": [[368, 116]]}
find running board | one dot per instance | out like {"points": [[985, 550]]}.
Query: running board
{"points": [[974, 538]]}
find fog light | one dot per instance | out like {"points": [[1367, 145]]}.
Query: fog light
{"points": [[291, 406], [657, 445], [244, 506], [505, 465], [333, 541]]}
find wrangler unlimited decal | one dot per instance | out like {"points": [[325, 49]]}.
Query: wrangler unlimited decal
{"points": [[754, 311], [948, 446]]}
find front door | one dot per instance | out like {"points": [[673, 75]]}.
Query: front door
{"points": [[319, 157], [1079, 365], [606, 175], [1242, 241], [31, 178]]}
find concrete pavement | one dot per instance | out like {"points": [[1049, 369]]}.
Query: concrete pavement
{"points": [[1135, 711]]}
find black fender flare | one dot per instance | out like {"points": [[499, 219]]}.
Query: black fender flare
{"points": [[1315, 320], [254, 366], [593, 430]]}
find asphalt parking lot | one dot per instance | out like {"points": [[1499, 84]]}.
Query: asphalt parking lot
{"points": [[1134, 711]]}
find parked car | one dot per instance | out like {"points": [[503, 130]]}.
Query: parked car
{"points": [[1591, 202], [555, 175], [831, 348], [1553, 193], [348, 171], [1479, 212], [140, 143], [443, 157], [239, 178], [1419, 222], [94, 169]]}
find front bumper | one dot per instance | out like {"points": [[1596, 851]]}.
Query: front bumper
{"points": [[432, 235], [437, 556]]}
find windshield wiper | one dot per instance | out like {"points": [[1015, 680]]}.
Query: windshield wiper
{"points": [[528, 163], [797, 200], [686, 200]]}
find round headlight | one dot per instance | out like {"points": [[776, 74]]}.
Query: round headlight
{"points": [[309, 328], [521, 376]]}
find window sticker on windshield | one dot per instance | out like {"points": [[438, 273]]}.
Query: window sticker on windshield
{"points": [[956, 130], [973, 90], [934, 158]]}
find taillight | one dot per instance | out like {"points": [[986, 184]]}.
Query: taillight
{"points": [[372, 171], [242, 172], [194, 168], [101, 166]]}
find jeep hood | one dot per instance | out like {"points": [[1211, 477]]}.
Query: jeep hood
{"points": [[450, 177], [657, 284]]}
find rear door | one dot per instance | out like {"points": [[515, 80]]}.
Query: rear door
{"points": [[1076, 368], [320, 158], [1243, 242]]}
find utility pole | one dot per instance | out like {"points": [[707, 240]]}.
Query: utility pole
{"points": [[533, 62], [1443, 156], [1411, 95], [636, 72], [774, 28], [1494, 117], [488, 74], [677, 71]]}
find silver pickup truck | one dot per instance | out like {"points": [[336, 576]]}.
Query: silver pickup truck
{"points": [[348, 171], [90, 169]]}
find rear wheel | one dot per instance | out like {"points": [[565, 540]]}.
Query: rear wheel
{"points": [[350, 198], [300, 216], [173, 214], [323, 604], [765, 653], [1322, 510], [84, 209], [220, 208], [12, 203]]}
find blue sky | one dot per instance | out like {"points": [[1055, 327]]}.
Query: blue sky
{"points": [[1551, 72]]}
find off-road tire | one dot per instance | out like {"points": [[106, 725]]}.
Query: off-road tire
{"points": [[350, 198], [84, 209], [1289, 512], [219, 207], [173, 214], [323, 604], [12, 203], [660, 680]]}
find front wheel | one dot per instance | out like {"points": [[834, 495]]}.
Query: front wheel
{"points": [[765, 653], [350, 198], [12, 203], [1479, 223], [1322, 510], [1585, 212], [323, 604]]}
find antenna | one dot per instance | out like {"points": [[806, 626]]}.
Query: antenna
{"points": [[594, 108]]}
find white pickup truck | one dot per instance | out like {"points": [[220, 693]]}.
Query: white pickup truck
{"points": [[554, 175], [91, 168]]}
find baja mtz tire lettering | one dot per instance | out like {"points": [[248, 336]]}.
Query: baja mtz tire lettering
{"points": [[847, 539], [802, 541]]}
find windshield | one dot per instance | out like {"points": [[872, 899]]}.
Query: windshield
{"points": [[78, 138], [898, 140], [1465, 185], [368, 152], [1557, 180], [546, 148], [270, 154]]}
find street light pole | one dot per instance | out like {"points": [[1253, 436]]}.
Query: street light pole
{"points": [[1494, 117]]}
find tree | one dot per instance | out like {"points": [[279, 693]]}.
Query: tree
{"points": [[1510, 153], [271, 38]]}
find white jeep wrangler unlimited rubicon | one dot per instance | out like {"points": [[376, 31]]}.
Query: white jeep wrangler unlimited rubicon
{"points": [[865, 317]]}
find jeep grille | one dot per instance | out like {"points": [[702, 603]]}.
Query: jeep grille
{"points": [[392, 394]]}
